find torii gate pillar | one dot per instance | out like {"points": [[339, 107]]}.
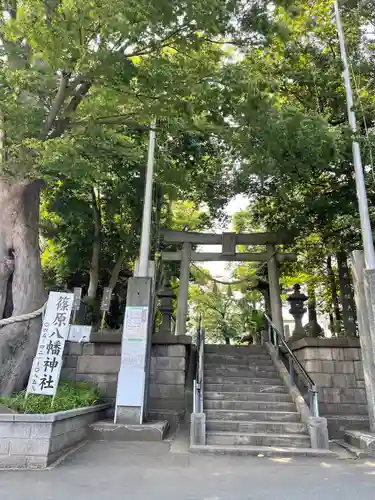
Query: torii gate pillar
{"points": [[182, 304], [275, 292]]}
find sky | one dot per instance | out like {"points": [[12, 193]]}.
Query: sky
{"points": [[222, 269]]}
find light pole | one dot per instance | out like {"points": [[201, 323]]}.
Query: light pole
{"points": [[368, 245], [144, 252]]}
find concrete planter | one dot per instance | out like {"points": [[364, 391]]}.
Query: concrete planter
{"points": [[36, 440]]}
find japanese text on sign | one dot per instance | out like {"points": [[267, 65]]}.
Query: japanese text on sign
{"points": [[46, 369]]}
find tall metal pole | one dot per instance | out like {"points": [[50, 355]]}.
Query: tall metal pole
{"points": [[368, 245], [144, 252]]}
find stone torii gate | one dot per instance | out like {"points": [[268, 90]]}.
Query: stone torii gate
{"points": [[229, 242]]}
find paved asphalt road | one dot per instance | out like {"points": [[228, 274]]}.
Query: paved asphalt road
{"points": [[140, 471]]}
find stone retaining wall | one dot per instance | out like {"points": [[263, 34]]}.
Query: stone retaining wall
{"points": [[335, 365], [36, 440], [99, 362]]}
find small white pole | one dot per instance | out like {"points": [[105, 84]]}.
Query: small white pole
{"points": [[147, 206], [368, 244]]}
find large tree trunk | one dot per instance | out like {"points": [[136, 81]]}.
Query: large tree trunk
{"points": [[349, 315], [20, 263], [116, 269], [333, 289], [95, 259]]}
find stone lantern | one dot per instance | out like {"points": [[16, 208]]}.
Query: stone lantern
{"points": [[297, 310]]}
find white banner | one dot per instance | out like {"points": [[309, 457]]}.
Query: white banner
{"points": [[130, 384], [45, 372]]}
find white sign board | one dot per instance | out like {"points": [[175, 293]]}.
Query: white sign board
{"points": [[79, 333], [131, 378], [45, 372]]}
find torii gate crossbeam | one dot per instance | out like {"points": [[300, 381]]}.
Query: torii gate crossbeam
{"points": [[229, 242]]}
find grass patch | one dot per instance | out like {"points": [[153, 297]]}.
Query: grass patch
{"points": [[69, 395]]}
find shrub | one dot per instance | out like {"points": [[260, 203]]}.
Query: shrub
{"points": [[69, 395]]}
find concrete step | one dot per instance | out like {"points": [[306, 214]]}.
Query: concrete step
{"points": [[245, 388], [224, 361], [258, 439], [219, 379], [362, 440], [255, 372], [109, 431], [250, 415], [235, 350], [247, 396], [248, 405], [236, 356], [255, 426], [353, 451], [261, 451]]}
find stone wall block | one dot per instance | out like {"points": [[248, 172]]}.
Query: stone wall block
{"points": [[347, 395], [322, 379], [358, 370], [167, 404], [317, 353], [37, 430], [4, 445], [360, 396], [344, 367], [352, 409], [36, 461], [352, 354], [98, 364], [13, 461], [29, 446], [170, 377], [329, 408], [313, 366], [329, 394], [93, 349], [68, 374], [70, 361], [159, 350], [11, 429], [338, 354], [108, 389], [342, 380], [152, 366], [175, 363], [328, 366], [74, 348], [159, 391], [168, 350], [112, 350], [97, 378]]}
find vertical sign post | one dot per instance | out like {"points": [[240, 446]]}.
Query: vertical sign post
{"points": [[76, 302], [131, 398], [47, 364], [104, 306]]}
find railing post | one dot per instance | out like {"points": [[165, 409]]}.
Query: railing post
{"points": [[277, 347], [291, 370], [315, 402]]}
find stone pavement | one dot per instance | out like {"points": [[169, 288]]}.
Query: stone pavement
{"points": [[143, 471]]}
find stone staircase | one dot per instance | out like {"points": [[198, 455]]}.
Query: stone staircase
{"points": [[245, 402]]}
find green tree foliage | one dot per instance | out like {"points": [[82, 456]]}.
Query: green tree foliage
{"points": [[231, 313], [76, 79]]}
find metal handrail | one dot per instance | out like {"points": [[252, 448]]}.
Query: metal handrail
{"points": [[277, 339], [198, 382]]}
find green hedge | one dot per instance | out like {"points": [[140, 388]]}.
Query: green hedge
{"points": [[69, 395]]}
